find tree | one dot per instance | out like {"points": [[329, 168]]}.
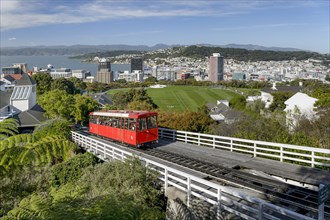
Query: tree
{"points": [[44, 81], [55, 126], [72, 169], [21, 183], [121, 99], [122, 81], [186, 121], [8, 127], [238, 102], [151, 80], [327, 77], [278, 100], [83, 105], [63, 84], [57, 103], [138, 105], [78, 84], [97, 87], [115, 190]]}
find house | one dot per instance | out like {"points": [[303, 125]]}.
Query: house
{"points": [[10, 80], [299, 105], [267, 92], [21, 104], [222, 112]]}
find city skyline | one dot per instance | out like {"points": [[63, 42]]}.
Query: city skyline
{"points": [[295, 24]]}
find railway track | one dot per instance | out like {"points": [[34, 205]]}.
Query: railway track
{"points": [[301, 200], [298, 199]]}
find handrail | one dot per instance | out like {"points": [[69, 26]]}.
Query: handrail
{"points": [[224, 198], [276, 151]]}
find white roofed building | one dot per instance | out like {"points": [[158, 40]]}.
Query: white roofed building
{"points": [[21, 104], [299, 105]]}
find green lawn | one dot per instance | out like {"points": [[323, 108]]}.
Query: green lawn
{"points": [[180, 98]]}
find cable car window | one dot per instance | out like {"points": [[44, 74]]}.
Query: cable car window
{"points": [[93, 119], [115, 122], [110, 122], [132, 124], [103, 120], [152, 122], [124, 123], [142, 124]]}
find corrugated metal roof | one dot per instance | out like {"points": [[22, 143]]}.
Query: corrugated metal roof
{"points": [[21, 92]]}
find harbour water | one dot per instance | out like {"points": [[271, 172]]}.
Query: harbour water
{"points": [[56, 62]]}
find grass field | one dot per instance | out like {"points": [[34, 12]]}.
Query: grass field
{"points": [[181, 98]]}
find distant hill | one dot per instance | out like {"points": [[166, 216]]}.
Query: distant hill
{"points": [[257, 47], [75, 50], [200, 52]]}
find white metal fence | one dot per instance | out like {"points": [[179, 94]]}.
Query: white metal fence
{"points": [[282, 152], [224, 198]]}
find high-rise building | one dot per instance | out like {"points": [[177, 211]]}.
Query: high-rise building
{"points": [[136, 64], [216, 64], [104, 73]]}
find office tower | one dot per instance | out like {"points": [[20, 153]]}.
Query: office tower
{"points": [[216, 68], [104, 73], [136, 64]]}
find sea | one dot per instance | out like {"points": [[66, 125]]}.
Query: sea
{"points": [[57, 62]]}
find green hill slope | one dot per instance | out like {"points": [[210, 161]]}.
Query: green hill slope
{"points": [[181, 98]]}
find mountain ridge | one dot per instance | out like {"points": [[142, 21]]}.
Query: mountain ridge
{"points": [[80, 49]]}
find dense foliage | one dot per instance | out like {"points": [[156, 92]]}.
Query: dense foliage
{"points": [[200, 52], [134, 99], [8, 128], [109, 53], [113, 190], [59, 103], [185, 121]]}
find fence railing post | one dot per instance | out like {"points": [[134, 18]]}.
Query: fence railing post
{"points": [[213, 142], [188, 191], [166, 180], [231, 145], [313, 158], [254, 150], [161, 133], [260, 211], [173, 137], [219, 204], [199, 140]]}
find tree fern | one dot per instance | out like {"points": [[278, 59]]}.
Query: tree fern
{"points": [[22, 150], [8, 127], [17, 140]]}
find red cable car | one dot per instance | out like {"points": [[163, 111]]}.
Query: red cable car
{"points": [[136, 128]]}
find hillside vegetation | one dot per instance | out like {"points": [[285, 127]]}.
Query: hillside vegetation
{"points": [[200, 52]]}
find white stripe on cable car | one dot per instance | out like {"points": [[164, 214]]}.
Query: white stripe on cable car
{"points": [[111, 114]]}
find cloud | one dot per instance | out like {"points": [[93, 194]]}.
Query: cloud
{"points": [[22, 14], [12, 38], [257, 26]]}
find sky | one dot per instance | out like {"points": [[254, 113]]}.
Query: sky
{"points": [[298, 24]]}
